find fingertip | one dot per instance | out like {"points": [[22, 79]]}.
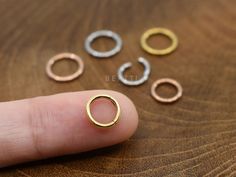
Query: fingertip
{"points": [[129, 119], [127, 123]]}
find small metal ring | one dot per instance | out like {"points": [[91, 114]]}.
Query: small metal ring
{"points": [[162, 31], [62, 56], [103, 33], [166, 81], [105, 125], [147, 70]]}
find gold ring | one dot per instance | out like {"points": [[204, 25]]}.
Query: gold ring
{"points": [[62, 56], [155, 31], [114, 121], [166, 81]]}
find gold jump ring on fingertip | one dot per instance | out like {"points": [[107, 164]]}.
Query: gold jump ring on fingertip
{"points": [[104, 125], [162, 31]]}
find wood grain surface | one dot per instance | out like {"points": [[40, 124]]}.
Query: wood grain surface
{"points": [[193, 137]]}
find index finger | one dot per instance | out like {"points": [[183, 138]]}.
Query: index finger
{"points": [[55, 125]]}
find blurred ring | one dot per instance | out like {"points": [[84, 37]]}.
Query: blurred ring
{"points": [[162, 31], [105, 125], [103, 33], [166, 81], [144, 78], [62, 56]]}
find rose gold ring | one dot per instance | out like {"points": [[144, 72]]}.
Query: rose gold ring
{"points": [[166, 81], [62, 56]]}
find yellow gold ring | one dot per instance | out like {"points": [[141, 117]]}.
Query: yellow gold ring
{"points": [[162, 31], [114, 121]]}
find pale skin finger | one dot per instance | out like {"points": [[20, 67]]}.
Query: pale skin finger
{"points": [[55, 125]]}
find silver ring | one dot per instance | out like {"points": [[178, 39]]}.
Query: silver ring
{"points": [[103, 33], [144, 78]]}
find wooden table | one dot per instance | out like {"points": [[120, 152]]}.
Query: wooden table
{"points": [[193, 137]]}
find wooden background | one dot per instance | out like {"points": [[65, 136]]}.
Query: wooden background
{"points": [[194, 137]]}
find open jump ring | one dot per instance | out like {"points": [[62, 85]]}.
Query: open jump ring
{"points": [[62, 56], [166, 81], [162, 31], [103, 33], [116, 118], [147, 70]]}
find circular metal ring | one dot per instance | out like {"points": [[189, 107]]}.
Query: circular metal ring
{"points": [[144, 78], [114, 121], [162, 31], [166, 81], [62, 56], [103, 33]]}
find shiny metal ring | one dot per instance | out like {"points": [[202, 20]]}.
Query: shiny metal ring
{"points": [[62, 56], [103, 33], [147, 70], [161, 31], [105, 125], [166, 81]]}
